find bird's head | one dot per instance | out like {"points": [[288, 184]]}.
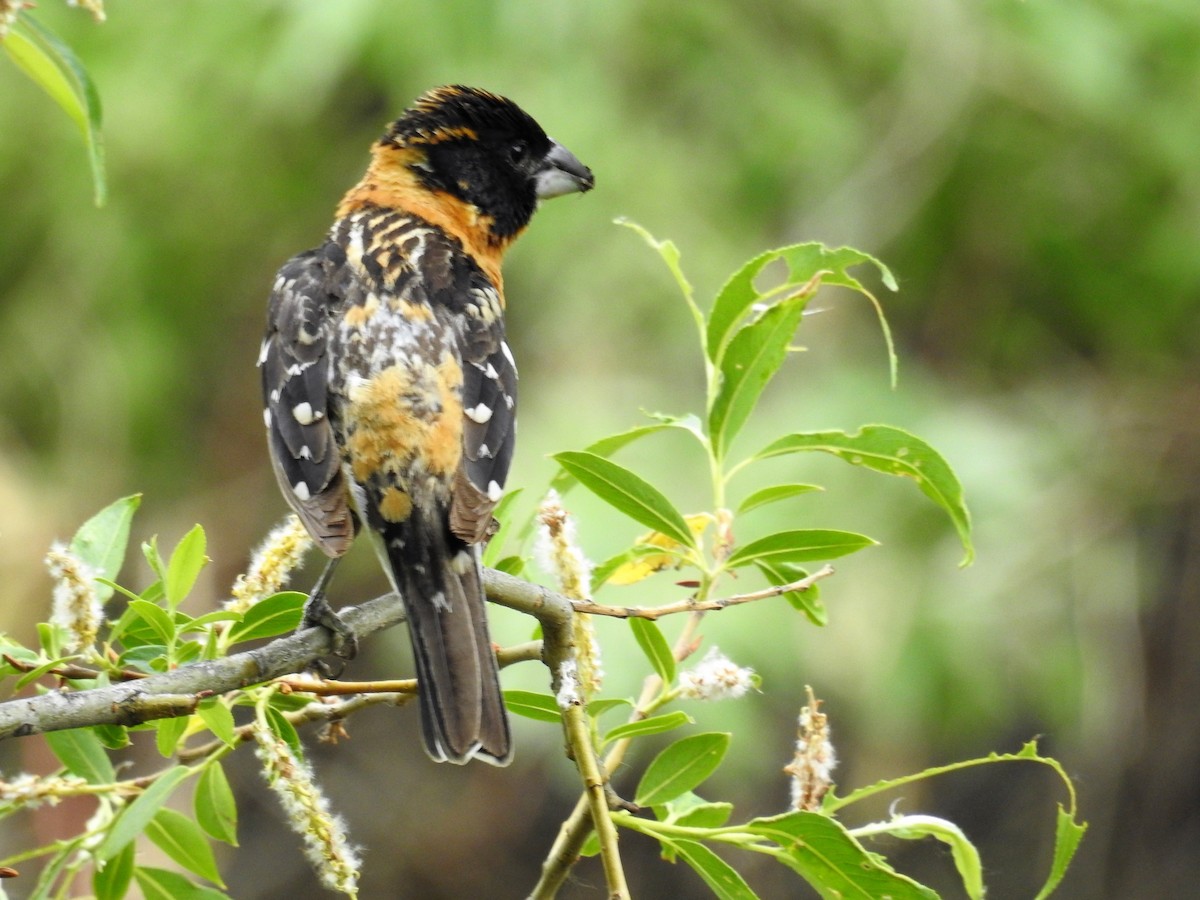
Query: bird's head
{"points": [[485, 151]]}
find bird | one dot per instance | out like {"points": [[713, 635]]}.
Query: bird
{"points": [[390, 389]]}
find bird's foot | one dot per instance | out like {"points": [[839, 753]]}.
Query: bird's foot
{"points": [[318, 612]]}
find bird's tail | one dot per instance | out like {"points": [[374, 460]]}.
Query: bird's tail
{"points": [[441, 581]]}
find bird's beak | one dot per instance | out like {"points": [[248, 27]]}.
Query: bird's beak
{"points": [[561, 173]]}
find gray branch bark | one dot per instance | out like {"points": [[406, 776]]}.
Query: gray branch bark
{"points": [[179, 692]]}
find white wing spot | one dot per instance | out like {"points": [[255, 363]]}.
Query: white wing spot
{"points": [[479, 414], [494, 491], [305, 452], [263, 351], [267, 416], [507, 351], [439, 601], [508, 401], [300, 489], [303, 413], [491, 372], [484, 451]]}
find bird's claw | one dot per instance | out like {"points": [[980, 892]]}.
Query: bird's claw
{"points": [[318, 613]]}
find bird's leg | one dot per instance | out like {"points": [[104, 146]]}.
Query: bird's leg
{"points": [[318, 612]]}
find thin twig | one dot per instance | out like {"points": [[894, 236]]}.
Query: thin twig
{"points": [[72, 671], [323, 687], [328, 687], [595, 780], [692, 605]]}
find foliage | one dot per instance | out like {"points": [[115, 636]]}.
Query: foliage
{"points": [[745, 337], [54, 67]]}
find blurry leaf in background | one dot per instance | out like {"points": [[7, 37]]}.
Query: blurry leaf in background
{"points": [[55, 68]]}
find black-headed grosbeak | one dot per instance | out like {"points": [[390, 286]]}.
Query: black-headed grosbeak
{"points": [[391, 391]]}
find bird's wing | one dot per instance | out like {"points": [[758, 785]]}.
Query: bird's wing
{"points": [[475, 306], [489, 436], [295, 375]]}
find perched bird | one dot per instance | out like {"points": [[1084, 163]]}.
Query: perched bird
{"points": [[391, 391]]}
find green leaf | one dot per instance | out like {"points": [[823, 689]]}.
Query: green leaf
{"points": [[44, 888], [34, 674], [186, 652], [185, 842], [705, 815], [161, 622], [217, 615], [894, 452], [650, 638], [722, 878], [681, 766], [832, 861], [733, 301], [187, 559], [101, 540], [163, 884], [805, 262], [774, 494], [591, 846], [167, 734], [627, 492], [747, 366], [597, 708], [278, 614], [111, 880], [155, 561], [134, 818], [83, 754], [807, 602], [54, 67], [532, 705], [510, 565], [693, 811], [606, 569], [804, 545], [214, 804], [284, 730], [113, 737], [1067, 835], [653, 725], [148, 658], [966, 857], [607, 446], [669, 254], [219, 719]]}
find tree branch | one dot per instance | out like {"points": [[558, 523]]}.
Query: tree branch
{"points": [[179, 692]]}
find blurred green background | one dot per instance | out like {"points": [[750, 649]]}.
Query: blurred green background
{"points": [[1031, 172]]}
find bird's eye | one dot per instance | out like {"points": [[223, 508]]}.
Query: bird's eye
{"points": [[517, 151]]}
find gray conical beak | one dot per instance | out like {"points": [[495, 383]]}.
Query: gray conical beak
{"points": [[562, 173]]}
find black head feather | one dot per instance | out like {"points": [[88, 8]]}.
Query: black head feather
{"points": [[483, 149]]}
